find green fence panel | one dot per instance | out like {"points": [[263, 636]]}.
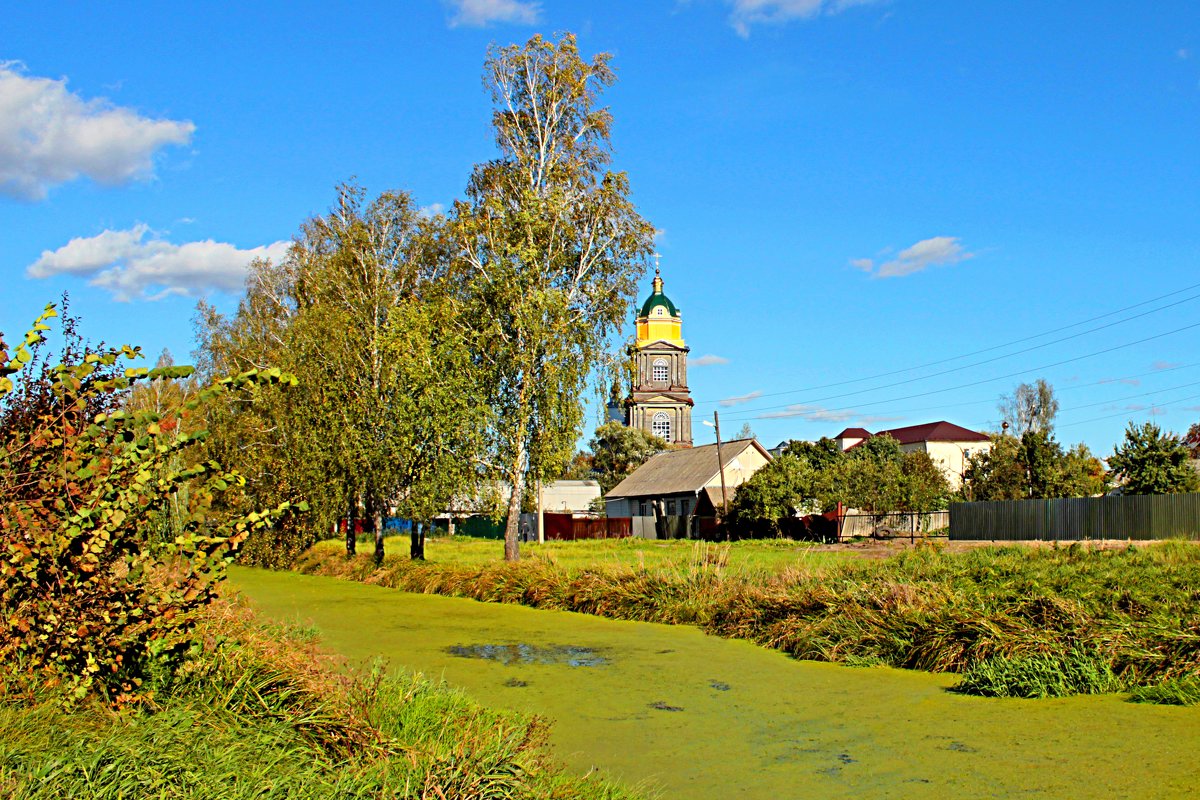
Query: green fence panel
{"points": [[1141, 517]]}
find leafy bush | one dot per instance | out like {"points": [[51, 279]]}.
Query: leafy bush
{"points": [[89, 598], [260, 713]]}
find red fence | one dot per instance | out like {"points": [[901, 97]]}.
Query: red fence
{"points": [[567, 528]]}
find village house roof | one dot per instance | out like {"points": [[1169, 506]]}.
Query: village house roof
{"points": [[681, 471], [940, 431]]}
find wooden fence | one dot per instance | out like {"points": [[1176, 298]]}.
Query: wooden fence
{"points": [[1166, 516]]}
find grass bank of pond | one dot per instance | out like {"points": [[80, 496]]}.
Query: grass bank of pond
{"points": [[1012, 621], [703, 717], [256, 711]]}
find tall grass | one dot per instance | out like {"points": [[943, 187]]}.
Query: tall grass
{"points": [[259, 713], [1015, 621]]}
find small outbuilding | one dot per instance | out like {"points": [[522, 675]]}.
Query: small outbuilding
{"points": [[682, 483]]}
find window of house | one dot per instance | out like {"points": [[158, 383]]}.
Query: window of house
{"points": [[670, 508], [660, 371], [683, 507], [660, 426], [642, 510]]}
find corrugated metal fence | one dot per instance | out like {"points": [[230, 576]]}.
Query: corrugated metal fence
{"points": [[1166, 516], [568, 528]]}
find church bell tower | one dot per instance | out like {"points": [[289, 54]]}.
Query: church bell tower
{"points": [[659, 400]]}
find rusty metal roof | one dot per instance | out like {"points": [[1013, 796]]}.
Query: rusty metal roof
{"points": [[681, 471]]}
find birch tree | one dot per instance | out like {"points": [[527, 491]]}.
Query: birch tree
{"points": [[386, 415], [551, 248]]}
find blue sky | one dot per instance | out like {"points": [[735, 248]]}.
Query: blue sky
{"points": [[845, 189]]}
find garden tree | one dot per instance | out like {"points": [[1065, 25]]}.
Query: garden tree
{"points": [[746, 432], [1152, 462], [617, 450], [386, 415], [1082, 474], [391, 389], [90, 600], [996, 473], [1030, 408], [1034, 466], [821, 454], [550, 248], [253, 430], [870, 478], [923, 485], [781, 489], [1042, 457], [580, 467]]}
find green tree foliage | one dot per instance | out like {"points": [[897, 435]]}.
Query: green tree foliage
{"points": [[996, 473], [783, 488], [387, 416], [1034, 466], [1152, 462], [811, 477], [820, 455], [617, 450], [1031, 408], [551, 248], [923, 485], [91, 599]]}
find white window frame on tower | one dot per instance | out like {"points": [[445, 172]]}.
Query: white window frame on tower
{"points": [[660, 425], [660, 364]]}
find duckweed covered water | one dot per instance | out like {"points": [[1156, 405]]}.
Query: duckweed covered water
{"points": [[702, 717]]}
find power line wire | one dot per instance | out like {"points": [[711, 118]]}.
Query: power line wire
{"points": [[751, 412], [985, 350]]}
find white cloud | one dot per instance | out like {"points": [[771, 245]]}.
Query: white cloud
{"points": [[708, 361], [49, 136], [1183, 53], [1165, 365], [814, 413], [775, 12], [137, 263], [737, 401], [935, 252], [432, 210], [481, 13], [1126, 381]]}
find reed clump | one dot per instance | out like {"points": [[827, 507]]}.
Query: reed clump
{"points": [[1013, 621], [258, 712]]}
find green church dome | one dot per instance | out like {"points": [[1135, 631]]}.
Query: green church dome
{"points": [[658, 299]]}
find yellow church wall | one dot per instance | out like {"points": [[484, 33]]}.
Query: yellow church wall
{"points": [[653, 330]]}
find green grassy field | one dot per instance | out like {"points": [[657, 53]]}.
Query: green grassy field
{"points": [[746, 557]]}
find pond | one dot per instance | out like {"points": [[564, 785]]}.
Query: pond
{"points": [[701, 717]]}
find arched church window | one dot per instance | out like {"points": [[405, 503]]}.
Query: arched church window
{"points": [[660, 371], [660, 426]]}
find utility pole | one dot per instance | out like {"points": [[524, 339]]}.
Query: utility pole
{"points": [[721, 468]]}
